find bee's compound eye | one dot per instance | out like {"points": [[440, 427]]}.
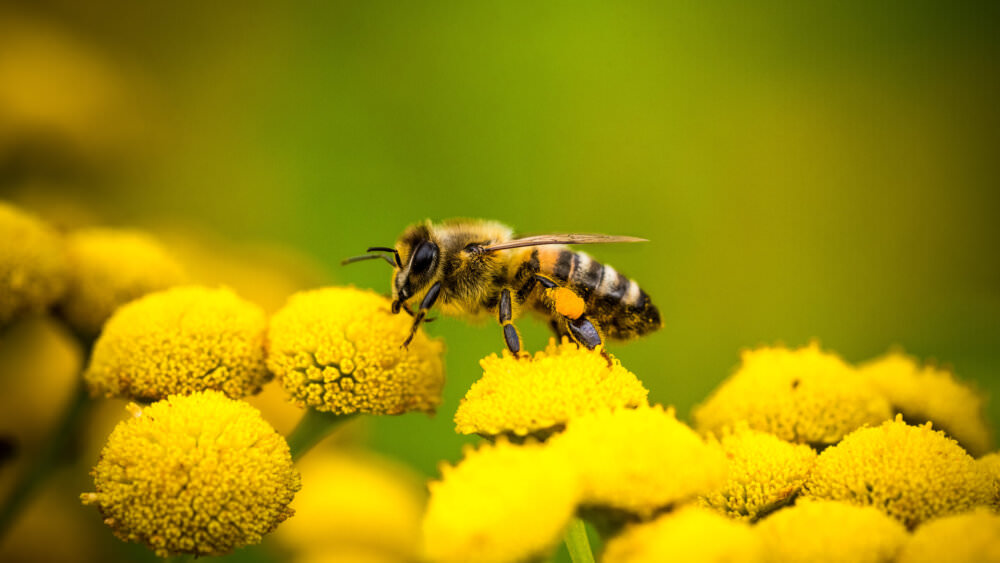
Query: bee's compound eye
{"points": [[423, 257]]}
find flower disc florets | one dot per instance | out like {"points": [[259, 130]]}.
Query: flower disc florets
{"points": [[928, 394], [640, 460], [502, 503], [519, 396], [687, 534], [33, 266], [805, 396], [110, 267], [765, 473], [339, 349], [179, 341], [912, 473], [199, 474], [831, 532]]}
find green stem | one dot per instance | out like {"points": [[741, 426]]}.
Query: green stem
{"points": [[313, 427], [48, 459], [577, 543]]}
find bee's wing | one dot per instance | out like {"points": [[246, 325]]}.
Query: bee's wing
{"points": [[560, 239]]}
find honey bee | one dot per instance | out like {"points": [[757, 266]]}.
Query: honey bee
{"points": [[476, 268]]}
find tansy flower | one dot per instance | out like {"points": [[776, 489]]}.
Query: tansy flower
{"points": [[537, 396], [110, 267], [355, 501], [912, 473], [640, 460], [179, 341], [990, 465], [339, 350], [199, 474], [805, 396], [691, 534], [33, 266], [765, 473], [828, 531], [927, 394], [501, 504], [973, 537]]}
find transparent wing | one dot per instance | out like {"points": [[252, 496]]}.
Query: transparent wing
{"points": [[561, 239]]}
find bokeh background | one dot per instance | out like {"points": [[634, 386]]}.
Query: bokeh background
{"points": [[822, 170]]}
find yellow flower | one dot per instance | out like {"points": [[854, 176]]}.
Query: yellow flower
{"points": [[765, 473], [519, 396], [973, 537], [33, 266], [927, 394], [640, 460], [821, 531], [199, 474], [990, 464], [110, 267], [179, 341], [805, 396], [690, 534], [912, 473], [355, 501], [338, 349], [502, 503]]}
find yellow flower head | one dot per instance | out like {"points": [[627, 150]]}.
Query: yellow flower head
{"points": [[928, 394], [640, 460], [355, 501], [33, 266], [805, 396], [973, 537], [830, 531], [501, 504], [339, 350], [199, 474], [110, 267], [520, 397], [912, 473], [990, 464], [691, 534], [765, 473], [179, 341]]}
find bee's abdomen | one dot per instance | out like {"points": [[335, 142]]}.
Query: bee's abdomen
{"points": [[618, 304]]}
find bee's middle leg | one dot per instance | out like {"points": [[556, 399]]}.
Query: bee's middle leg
{"points": [[506, 313]]}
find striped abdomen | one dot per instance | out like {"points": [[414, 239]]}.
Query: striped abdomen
{"points": [[619, 306]]}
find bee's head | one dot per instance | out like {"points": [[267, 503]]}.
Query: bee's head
{"points": [[419, 260]]}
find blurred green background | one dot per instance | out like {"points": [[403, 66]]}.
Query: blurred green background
{"points": [[817, 170]]}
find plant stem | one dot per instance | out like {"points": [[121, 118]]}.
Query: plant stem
{"points": [[313, 427], [48, 459], [577, 543]]}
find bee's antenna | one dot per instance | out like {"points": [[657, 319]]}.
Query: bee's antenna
{"points": [[387, 249], [354, 259]]}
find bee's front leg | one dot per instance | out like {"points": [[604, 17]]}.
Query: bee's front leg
{"points": [[506, 313], [427, 303]]}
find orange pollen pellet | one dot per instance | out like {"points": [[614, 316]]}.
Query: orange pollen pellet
{"points": [[568, 303]]}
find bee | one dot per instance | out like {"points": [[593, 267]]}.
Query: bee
{"points": [[477, 268]]}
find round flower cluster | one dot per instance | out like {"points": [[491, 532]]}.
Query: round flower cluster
{"points": [[110, 267], [181, 340], [537, 397], [200, 474], [339, 350], [912, 473], [765, 473], [806, 396], [34, 271]]}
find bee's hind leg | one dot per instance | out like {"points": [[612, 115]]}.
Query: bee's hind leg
{"points": [[510, 334]]}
